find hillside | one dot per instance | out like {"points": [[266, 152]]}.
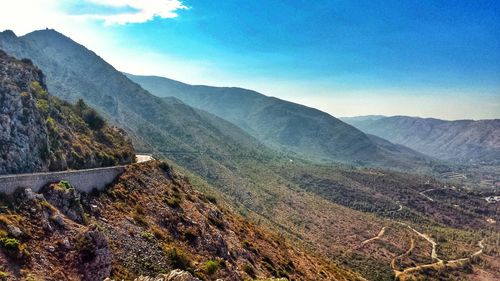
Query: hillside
{"points": [[321, 208], [191, 137], [39, 132], [465, 141], [287, 126], [149, 222]]}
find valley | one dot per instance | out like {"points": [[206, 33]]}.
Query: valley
{"points": [[231, 184]]}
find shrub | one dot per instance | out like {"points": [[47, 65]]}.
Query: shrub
{"points": [[51, 125], [148, 236], [158, 232], [65, 184], [39, 91], [93, 119], [80, 106], [173, 202], [43, 107], [248, 269], [211, 267], [3, 276], [177, 258], [27, 61], [44, 152], [212, 199], [140, 219], [11, 245]]}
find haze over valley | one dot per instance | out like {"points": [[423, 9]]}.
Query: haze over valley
{"points": [[114, 166]]}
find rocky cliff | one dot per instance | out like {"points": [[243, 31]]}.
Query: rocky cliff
{"points": [[39, 132]]}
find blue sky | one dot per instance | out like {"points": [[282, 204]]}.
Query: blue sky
{"points": [[427, 58]]}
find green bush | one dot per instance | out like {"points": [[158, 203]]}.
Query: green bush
{"points": [[51, 125], [65, 184], [11, 245], [211, 267], [148, 236], [89, 115], [39, 91], [42, 106], [248, 269], [93, 119], [178, 259]]}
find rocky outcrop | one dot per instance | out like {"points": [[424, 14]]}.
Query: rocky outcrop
{"points": [[23, 135], [95, 255], [174, 275], [39, 132], [64, 197]]}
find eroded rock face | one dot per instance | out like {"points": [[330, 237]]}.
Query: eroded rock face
{"points": [[66, 199], [95, 255], [23, 136]]}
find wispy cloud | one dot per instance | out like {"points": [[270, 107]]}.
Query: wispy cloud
{"points": [[125, 11]]}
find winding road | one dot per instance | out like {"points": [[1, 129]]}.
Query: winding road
{"points": [[439, 264]]}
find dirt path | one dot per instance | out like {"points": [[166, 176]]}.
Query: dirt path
{"points": [[379, 235], [439, 264], [432, 189], [407, 253], [434, 255]]}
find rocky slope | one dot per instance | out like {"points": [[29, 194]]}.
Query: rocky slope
{"points": [[465, 141], [149, 222], [287, 126], [39, 132]]}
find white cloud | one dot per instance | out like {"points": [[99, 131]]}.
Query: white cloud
{"points": [[24, 16], [143, 10]]}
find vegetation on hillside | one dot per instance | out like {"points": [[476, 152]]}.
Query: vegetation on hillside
{"points": [[78, 136], [132, 230]]}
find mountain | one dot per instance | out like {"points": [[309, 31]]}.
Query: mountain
{"points": [[333, 211], [466, 141], [155, 125], [39, 132], [286, 126]]}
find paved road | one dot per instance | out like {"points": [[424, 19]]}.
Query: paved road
{"points": [[140, 158]]}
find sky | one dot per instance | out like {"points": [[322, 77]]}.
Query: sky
{"points": [[414, 57]]}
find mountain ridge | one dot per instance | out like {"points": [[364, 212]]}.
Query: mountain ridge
{"points": [[458, 140], [283, 125]]}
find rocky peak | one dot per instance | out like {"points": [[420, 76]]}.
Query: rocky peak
{"points": [[8, 34]]}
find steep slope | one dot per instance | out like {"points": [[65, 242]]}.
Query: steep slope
{"points": [[462, 140], [150, 221], [284, 125], [39, 132], [191, 137]]}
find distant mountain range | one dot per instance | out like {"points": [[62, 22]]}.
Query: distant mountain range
{"points": [[286, 126], [242, 148], [466, 141]]}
